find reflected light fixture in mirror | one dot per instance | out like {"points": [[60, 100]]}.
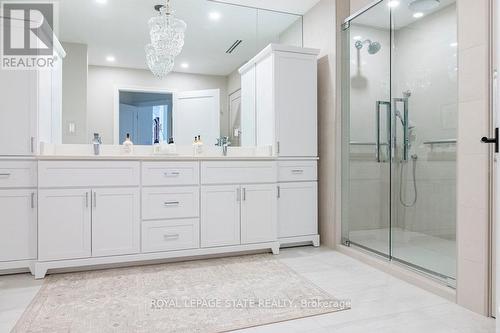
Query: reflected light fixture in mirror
{"points": [[110, 58], [418, 15], [185, 65], [393, 3], [101, 2], [214, 16]]}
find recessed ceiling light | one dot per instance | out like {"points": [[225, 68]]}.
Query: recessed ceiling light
{"points": [[357, 38], [185, 65], [418, 15], [214, 16], [101, 2], [393, 3], [110, 59], [454, 44]]}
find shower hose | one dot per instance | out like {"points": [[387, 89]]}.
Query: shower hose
{"points": [[414, 159]]}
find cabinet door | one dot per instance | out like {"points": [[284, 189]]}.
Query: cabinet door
{"points": [[17, 112], [64, 227], [297, 209], [248, 138], [265, 102], [17, 225], [220, 215], [296, 104], [258, 213], [115, 221]]}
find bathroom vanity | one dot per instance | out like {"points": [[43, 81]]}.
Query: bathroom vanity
{"points": [[109, 210], [63, 207]]}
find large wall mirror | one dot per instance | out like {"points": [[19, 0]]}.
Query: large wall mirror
{"points": [[109, 89]]}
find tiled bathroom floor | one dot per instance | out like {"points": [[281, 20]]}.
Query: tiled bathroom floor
{"points": [[432, 253], [380, 302]]}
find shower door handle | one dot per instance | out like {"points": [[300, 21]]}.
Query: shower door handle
{"points": [[378, 142], [494, 140]]}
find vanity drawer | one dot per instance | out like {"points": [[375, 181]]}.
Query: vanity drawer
{"points": [[238, 172], [170, 173], [88, 173], [17, 174], [292, 171], [170, 202], [159, 236]]}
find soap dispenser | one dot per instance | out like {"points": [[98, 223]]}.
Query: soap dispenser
{"points": [[128, 145], [199, 146]]}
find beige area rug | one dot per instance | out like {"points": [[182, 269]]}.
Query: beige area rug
{"points": [[215, 295]]}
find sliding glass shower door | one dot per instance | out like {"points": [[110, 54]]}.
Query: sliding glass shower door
{"points": [[367, 127], [399, 104]]}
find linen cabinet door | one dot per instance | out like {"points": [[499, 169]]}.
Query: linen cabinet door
{"points": [[17, 225], [258, 214], [296, 104], [116, 221], [297, 209], [64, 224], [220, 215]]}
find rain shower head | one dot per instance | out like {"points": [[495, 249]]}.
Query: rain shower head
{"points": [[373, 47]]}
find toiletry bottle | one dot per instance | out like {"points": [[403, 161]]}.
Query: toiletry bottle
{"points": [[195, 144], [128, 145], [172, 149], [199, 146]]}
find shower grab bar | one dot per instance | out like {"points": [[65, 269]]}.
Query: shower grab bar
{"points": [[356, 143], [378, 144], [406, 126], [440, 142]]}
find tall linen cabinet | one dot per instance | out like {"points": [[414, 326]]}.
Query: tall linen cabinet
{"points": [[279, 109]]}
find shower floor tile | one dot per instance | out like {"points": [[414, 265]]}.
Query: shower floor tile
{"points": [[429, 252]]}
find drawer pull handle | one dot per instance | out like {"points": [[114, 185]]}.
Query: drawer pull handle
{"points": [[7, 175], [171, 203], [297, 171], [172, 174], [171, 237]]}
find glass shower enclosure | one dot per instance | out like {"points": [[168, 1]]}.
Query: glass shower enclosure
{"points": [[399, 124]]}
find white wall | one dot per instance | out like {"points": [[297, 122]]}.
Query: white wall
{"points": [[74, 90], [102, 82], [320, 32]]}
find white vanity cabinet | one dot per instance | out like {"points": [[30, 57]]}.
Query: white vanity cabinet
{"points": [[64, 224], [259, 213], [116, 219], [18, 217], [17, 225], [220, 215], [100, 219], [298, 202], [283, 101], [170, 206], [238, 203]]}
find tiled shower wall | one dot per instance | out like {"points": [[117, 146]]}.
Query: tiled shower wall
{"points": [[472, 156]]}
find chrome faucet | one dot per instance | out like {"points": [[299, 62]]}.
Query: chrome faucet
{"points": [[223, 142], [97, 142]]}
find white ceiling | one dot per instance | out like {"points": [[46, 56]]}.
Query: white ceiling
{"points": [[289, 6], [380, 16], [119, 28]]}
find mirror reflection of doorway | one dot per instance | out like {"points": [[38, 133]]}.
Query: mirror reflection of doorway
{"points": [[138, 112], [235, 118]]}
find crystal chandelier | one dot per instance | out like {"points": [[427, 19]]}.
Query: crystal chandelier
{"points": [[167, 40]]}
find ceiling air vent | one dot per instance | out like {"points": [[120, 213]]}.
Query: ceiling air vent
{"points": [[234, 46]]}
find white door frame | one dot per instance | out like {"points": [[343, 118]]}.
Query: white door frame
{"points": [[116, 107]]}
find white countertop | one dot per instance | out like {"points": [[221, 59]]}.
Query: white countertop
{"points": [[154, 158]]}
